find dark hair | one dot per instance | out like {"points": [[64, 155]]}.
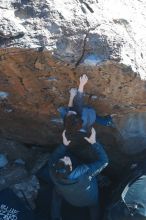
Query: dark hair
{"points": [[81, 148], [72, 123], [60, 170]]}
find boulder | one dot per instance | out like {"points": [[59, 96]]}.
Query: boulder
{"points": [[47, 45]]}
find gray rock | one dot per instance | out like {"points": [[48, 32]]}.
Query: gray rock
{"points": [[72, 30], [11, 174], [132, 129], [18, 153], [27, 189]]}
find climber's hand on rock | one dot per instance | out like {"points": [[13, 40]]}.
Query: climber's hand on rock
{"points": [[83, 81], [92, 138], [65, 141]]}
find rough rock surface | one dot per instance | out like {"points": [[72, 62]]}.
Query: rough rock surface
{"points": [[27, 189], [11, 175], [45, 47], [78, 31], [20, 171]]}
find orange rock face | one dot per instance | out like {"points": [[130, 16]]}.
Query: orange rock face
{"points": [[34, 84]]}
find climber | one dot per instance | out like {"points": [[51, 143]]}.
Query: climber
{"points": [[76, 184], [79, 117]]}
